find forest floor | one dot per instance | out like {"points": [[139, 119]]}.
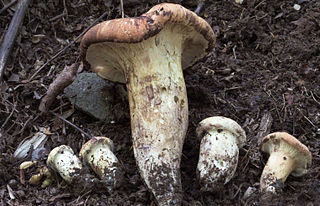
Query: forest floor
{"points": [[266, 62]]}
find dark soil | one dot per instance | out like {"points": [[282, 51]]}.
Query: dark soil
{"points": [[266, 61]]}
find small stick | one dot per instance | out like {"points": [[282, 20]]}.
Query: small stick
{"points": [[11, 34], [122, 10], [73, 125], [199, 7], [57, 17], [64, 79], [65, 48], [6, 121], [8, 6]]}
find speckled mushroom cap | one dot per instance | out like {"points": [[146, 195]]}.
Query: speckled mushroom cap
{"points": [[196, 44], [282, 141], [220, 123], [89, 145]]}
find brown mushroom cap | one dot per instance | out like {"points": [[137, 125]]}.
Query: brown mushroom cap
{"points": [[294, 148], [137, 29]]}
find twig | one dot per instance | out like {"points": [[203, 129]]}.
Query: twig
{"points": [[122, 10], [314, 98], [65, 48], [6, 121], [57, 17], [11, 34], [199, 7], [73, 125], [8, 6], [64, 79]]}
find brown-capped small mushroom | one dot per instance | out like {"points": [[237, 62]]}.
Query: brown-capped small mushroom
{"points": [[219, 151], [148, 53], [63, 160], [287, 156], [98, 154]]}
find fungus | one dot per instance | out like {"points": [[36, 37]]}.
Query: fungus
{"points": [[148, 53], [219, 151], [98, 154], [62, 160], [287, 156]]}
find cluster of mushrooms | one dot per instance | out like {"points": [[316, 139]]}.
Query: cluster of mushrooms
{"points": [[97, 154], [148, 53]]}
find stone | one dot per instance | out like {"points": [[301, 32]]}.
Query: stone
{"points": [[93, 95]]}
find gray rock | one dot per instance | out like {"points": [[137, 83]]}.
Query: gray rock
{"points": [[93, 95]]}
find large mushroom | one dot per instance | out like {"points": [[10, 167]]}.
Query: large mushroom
{"points": [[148, 53], [287, 156]]}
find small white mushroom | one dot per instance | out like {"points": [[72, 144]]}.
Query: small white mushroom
{"points": [[62, 160], [98, 154], [287, 156], [219, 151]]}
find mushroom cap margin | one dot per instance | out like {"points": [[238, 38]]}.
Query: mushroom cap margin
{"points": [[224, 123], [137, 29], [85, 149], [60, 149]]}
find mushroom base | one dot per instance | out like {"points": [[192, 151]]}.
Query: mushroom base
{"points": [[218, 160], [276, 171]]}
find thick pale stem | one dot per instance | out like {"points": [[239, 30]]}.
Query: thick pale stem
{"points": [[218, 159], [278, 167], [159, 119], [158, 103]]}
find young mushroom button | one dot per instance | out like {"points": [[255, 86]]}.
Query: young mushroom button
{"points": [[219, 151], [148, 53], [62, 160], [287, 156], [98, 154]]}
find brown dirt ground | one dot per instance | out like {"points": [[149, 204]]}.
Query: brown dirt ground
{"points": [[266, 60]]}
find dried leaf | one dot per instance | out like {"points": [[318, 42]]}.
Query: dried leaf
{"points": [[27, 164], [37, 141]]}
